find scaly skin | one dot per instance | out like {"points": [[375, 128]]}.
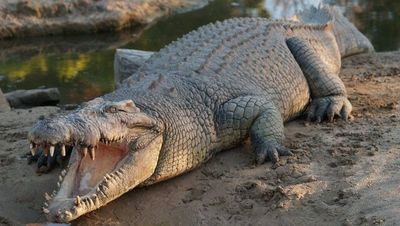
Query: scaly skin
{"points": [[206, 92]]}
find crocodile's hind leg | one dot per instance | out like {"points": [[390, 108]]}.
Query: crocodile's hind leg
{"points": [[255, 117], [321, 65]]}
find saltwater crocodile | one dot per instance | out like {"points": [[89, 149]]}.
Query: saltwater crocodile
{"points": [[204, 93]]}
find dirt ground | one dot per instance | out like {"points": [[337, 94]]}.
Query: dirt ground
{"points": [[341, 173]]}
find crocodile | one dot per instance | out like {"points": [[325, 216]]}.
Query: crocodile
{"points": [[208, 91]]}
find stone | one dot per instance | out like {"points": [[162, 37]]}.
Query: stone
{"points": [[51, 17], [4, 105], [127, 61], [33, 97]]}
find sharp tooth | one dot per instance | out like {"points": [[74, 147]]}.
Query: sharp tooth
{"points": [[47, 196], [63, 172], [52, 151], [60, 178], [58, 184], [84, 151], [103, 194], [45, 210], [63, 152], [33, 149], [107, 176], [92, 153], [68, 213], [46, 205], [95, 199], [78, 200], [90, 201]]}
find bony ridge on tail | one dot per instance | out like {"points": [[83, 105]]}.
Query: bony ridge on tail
{"points": [[206, 92]]}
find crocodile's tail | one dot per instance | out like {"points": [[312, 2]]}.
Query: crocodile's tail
{"points": [[350, 40]]}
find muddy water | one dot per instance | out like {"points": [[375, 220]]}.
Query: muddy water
{"points": [[82, 66]]}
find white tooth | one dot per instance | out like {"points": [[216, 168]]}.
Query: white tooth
{"points": [[68, 213], [47, 196], [45, 210], [60, 178], [46, 205], [95, 199], [58, 184], [51, 151], [63, 172], [33, 149], [90, 201], [92, 153], [84, 151], [78, 200], [63, 152]]}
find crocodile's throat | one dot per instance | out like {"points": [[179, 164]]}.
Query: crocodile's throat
{"points": [[89, 173]]}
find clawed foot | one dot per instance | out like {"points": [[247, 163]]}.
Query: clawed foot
{"points": [[329, 107], [47, 161], [271, 151]]}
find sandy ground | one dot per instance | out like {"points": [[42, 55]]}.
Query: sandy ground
{"points": [[341, 173]]}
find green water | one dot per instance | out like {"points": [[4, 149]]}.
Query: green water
{"points": [[82, 66]]}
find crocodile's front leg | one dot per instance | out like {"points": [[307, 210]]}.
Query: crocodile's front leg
{"points": [[321, 65], [258, 118]]}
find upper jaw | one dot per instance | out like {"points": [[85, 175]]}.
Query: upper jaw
{"points": [[75, 130]]}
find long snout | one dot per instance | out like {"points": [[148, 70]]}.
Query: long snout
{"points": [[73, 129], [51, 131]]}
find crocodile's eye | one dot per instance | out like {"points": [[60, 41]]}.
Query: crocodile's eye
{"points": [[111, 109]]}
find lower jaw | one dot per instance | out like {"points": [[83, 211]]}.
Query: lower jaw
{"points": [[87, 183], [130, 171]]}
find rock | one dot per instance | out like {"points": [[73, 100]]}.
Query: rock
{"points": [[127, 61], [4, 105], [51, 17], [33, 97]]}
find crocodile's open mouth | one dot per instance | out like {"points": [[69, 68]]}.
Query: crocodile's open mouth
{"points": [[85, 181], [115, 148], [92, 181]]}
